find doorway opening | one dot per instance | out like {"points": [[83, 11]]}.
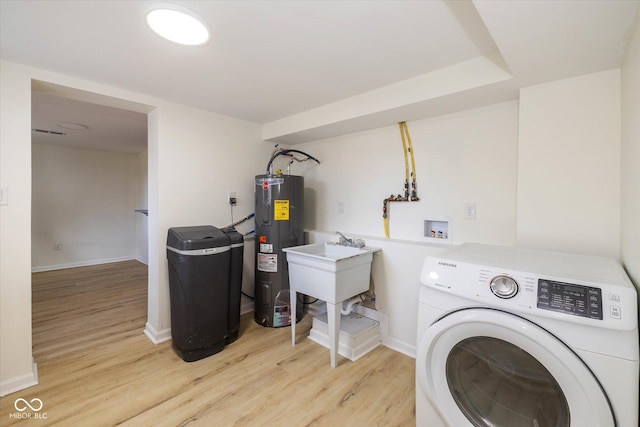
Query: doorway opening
{"points": [[89, 206]]}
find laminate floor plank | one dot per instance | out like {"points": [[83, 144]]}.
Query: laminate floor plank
{"points": [[97, 368]]}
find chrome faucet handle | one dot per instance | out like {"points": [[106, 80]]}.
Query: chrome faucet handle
{"points": [[345, 241], [344, 238]]}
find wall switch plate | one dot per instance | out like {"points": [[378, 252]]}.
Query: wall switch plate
{"points": [[470, 210], [4, 196]]}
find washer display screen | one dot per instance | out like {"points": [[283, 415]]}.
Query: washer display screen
{"points": [[569, 298]]}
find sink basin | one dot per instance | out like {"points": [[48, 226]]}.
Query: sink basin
{"points": [[330, 272], [326, 251]]}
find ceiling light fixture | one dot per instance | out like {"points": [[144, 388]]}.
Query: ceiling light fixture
{"points": [[178, 24]]}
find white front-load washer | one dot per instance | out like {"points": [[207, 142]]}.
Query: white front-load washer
{"points": [[509, 337]]}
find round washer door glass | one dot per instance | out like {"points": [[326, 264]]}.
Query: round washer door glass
{"points": [[489, 368], [495, 383]]}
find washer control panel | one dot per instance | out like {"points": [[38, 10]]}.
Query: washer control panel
{"points": [[569, 298], [585, 290]]}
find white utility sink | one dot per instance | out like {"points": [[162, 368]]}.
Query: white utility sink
{"points": [[332, 273]]}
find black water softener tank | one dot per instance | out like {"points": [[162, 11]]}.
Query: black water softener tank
{"points": [[279, 225], [199, 268], [235, 281]]}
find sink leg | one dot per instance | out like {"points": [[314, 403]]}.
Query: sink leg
{"points": [[333, 317], [292, 308]]}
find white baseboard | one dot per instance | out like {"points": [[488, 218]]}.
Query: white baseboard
{"points": [[143, 261], [247, 307], [80, 264], [400, 346], [155, 336], [21, 382], [158, 337]]}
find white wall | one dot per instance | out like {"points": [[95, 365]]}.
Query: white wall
{"points": [[569, 165], [630, 125], [559, 146], [16, 367], [83, 200], [200, 157], [470, 156]]}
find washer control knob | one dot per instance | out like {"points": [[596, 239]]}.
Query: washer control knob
{"points": [[504, 287]]}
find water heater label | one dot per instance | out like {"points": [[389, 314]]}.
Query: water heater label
{"points": [[266, 248], [281, 210], [281, 316], [268, 263]]}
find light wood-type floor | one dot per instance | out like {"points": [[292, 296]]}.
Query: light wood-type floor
{"points": [[97, 368]]}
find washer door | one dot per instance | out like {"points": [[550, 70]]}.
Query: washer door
{"points": [[488, 368]]}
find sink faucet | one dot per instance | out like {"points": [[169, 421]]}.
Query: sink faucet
{"points": [[345, 241]]}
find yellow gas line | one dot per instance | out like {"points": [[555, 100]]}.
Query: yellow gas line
{"points": [[386, 226], [401, 125], [406, 147], [414, 191]]}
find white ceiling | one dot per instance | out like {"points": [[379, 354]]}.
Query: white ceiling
{"points": [[109, 128], [277, 62]]}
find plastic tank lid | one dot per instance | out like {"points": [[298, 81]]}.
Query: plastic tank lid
{"points": [[196, 237]]}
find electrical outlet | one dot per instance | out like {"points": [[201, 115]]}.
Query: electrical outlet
{"points": [[231, 198], [470, 210], [57, 246]]}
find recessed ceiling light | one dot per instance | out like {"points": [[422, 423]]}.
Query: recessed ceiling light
{"points": [[73, 126], [178, 24]]}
